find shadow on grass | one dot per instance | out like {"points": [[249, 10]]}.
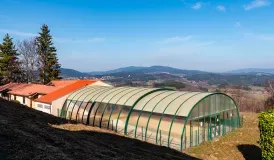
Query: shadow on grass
{"points": [[25, 133], [250, 152]]}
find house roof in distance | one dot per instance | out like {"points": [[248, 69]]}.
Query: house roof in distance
{"points": [[31, 89], [64, 91]]}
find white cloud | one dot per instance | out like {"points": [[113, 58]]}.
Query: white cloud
{"points": [[56, 39], [256, 4], [176, 39], [221, 8], [238, 25], [197, 6], [265, 37], [205, 43], [17, 33]]}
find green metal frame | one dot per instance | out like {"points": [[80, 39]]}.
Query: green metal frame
{"points": [[173, 118], [100, 92], [92, 89], [114, 89], [112, 104], [142, 111], [125, 89], [153, 110], [116, 105], [124, 104], [164, 114], [76, 93], [156, 90], [183, 131], [98, 89]]}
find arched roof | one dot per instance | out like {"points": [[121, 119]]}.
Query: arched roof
{"points": [[143, 99], [113, 95]]}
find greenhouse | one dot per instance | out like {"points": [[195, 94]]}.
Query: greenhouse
{"points": [[157, 115]]}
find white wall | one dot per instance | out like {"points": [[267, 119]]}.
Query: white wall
{"points": [[100, 83], [20, 99], [58, 104], [44, 107]]}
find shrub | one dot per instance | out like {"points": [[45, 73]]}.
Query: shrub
{"points": [[15, 101], [266, 126]]}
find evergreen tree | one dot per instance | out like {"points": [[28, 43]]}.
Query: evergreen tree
{"points": [[49, 68], [9, 64]]}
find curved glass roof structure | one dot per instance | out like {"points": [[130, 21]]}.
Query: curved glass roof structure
{"points": [[157, 115]]}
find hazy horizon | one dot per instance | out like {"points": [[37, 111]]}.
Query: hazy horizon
{"points": [[213, 36]]}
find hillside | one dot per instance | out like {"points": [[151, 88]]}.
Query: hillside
{"points": [[29, 134], [65, 72], [246, 79], [252, 71], [151, 69]]}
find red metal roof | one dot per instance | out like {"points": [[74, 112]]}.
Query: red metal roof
{"points": [[64, 91]]}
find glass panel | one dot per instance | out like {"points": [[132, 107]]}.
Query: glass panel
{"points": [[84, 116], [120, 123], [80, 111], [114, 116], [92, 113], [75, 108]]}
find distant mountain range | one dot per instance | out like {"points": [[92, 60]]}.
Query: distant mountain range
{"points": [[156, 69], [152, 69], [65, 72], [252, 71]]}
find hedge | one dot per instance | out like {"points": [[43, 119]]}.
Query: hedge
{"points": [[266, 126], [15, 101]]}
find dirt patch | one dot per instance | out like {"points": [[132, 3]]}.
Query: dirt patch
{"points": [[29, 134]]}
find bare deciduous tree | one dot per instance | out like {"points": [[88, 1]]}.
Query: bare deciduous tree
{"points": [[28, 57]]}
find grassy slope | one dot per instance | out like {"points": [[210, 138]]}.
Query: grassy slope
{"points": [[240, 144], [29, 134]]}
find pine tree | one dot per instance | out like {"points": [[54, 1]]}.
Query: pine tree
{"points": [[9, 63], [49, 68]]}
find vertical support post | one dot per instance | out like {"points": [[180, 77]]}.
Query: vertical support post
{"points": [[215, 126], [197, 137], [69, 115], [198, 123], [204, 120], [142, 132], [191, 133], [160, 137], [185, 139], [112, 124]]}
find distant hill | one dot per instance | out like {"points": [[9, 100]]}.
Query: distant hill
{"points": [[252, 71], [152, 69], [65, 72], [124, 69]]}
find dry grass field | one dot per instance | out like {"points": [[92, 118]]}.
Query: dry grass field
{"points": [[239, 144]]}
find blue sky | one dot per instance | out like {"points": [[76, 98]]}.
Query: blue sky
{"points": [[107, 34]]}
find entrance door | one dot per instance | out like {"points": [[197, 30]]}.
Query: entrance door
{"points": [[214, 126]]}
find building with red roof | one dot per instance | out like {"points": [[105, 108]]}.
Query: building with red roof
{"points": [[47, 98], [52, 102]]}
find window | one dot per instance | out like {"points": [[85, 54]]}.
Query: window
{"points": [[39, 105], [24, 100], [46, 107], [14, 97]]}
